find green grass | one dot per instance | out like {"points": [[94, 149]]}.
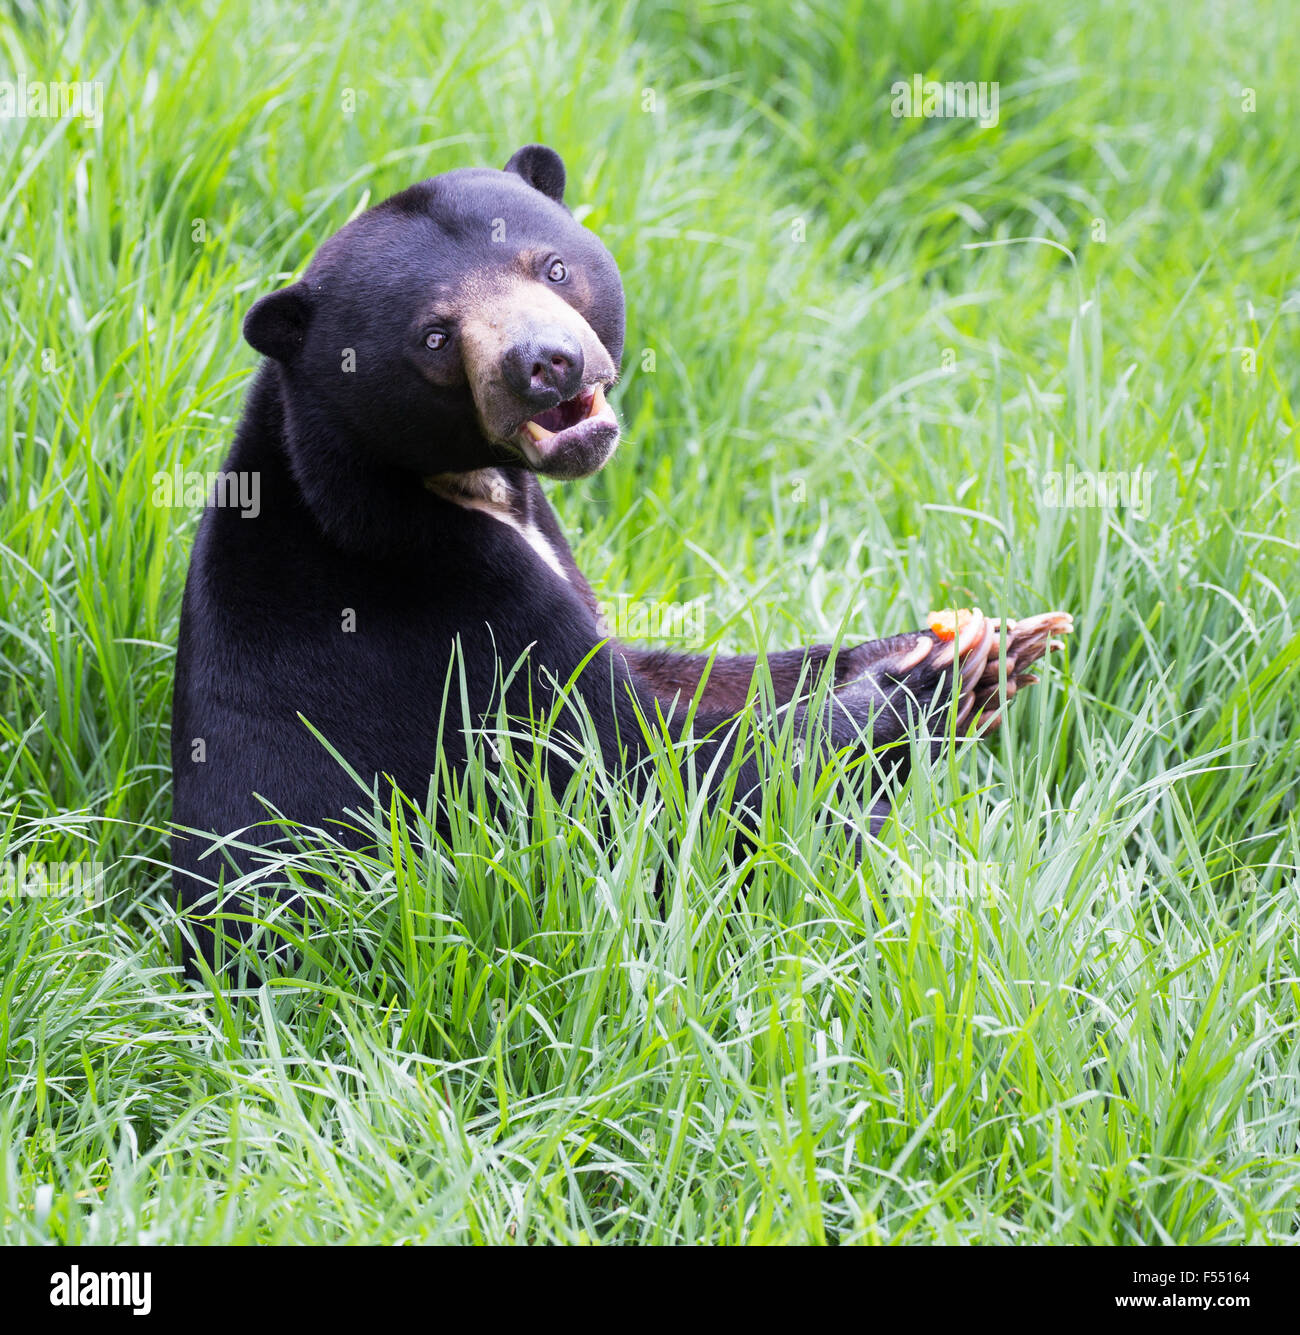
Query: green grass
{"points": [[1059, 1001]]}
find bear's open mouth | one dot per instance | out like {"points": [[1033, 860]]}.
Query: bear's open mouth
{"points": [[574, 438], [589, 402]]}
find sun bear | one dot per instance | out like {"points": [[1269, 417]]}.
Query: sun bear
{"points": [[440, 354]]}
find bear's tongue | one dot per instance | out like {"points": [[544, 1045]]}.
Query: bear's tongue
{"points": [[567, 414]]}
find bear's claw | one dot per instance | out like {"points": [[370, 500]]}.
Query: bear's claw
{"points": [[1025, 643], [985, 650]]}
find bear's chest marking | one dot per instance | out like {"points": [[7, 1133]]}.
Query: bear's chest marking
{"points": [[489, 492]]}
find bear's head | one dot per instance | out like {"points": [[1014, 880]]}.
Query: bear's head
{"points": [[467, 322]]}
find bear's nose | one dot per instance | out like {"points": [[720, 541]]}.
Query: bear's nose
{"points": [[544, 368]]}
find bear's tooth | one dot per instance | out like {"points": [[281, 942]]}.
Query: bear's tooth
{"points": [[597, 401], [538, 433]]}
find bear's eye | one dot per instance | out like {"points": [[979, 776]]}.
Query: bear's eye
{"points": [[435, 339], [557, 273]]}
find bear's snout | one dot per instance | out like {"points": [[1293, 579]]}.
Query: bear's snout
{"points": [[538, 372], [544, 367]]}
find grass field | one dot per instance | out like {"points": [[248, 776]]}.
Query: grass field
{"points": [[1059, 1001]]}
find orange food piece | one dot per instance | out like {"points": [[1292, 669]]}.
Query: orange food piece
{"points": [[948, 624]]}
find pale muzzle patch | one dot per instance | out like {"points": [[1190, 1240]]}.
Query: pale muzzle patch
{"points": [[570, 439]]}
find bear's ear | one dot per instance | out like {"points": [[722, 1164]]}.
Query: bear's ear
{"points": [[277, 322], [542, 168]]}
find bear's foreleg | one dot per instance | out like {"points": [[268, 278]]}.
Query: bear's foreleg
{"points": [[885, 692]]}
